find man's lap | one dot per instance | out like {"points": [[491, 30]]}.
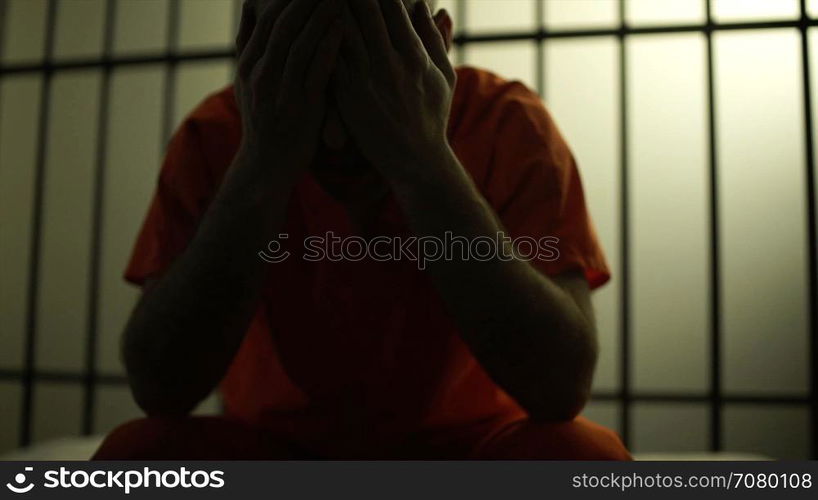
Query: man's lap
{"points": [[579, 439], [217, 438]]}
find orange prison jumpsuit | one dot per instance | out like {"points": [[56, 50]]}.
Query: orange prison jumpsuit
{"points": [[360, 359]]}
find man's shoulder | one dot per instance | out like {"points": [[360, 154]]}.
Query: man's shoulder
{"points": [[216, 109], [216, 123], [501, 128], [486, 100], [478, 86]]}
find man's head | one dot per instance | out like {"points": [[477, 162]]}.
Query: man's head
{"points": [[335, 136], [442, 17], [339, 167], [408, 3]]}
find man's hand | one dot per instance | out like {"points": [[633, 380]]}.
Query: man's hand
{"points": [[191, 320], [286, 57], [534, 335], [393, 85]]}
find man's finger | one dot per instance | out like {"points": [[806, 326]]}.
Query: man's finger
{"points": [[246, 26], [287, 29], [376, 37], [323, 63], [334, 134], [257, 43], [348, 94], [354, 46], [403, 35], [306, 46], [433, 40]]}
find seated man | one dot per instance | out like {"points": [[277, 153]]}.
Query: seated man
{"points": [[346, 117]]}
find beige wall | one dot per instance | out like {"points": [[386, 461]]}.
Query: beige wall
{"points": [[134, 148]]}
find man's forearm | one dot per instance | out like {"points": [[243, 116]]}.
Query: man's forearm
{"points": [[187, 328], [527, 331]]}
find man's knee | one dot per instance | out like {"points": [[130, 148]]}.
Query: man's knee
{"points": [[579, 439], [140, 439]]}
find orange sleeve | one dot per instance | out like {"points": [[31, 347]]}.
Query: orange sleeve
{"points": [[180, 200], [535, 186]]}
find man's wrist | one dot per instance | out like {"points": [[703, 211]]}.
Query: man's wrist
{"points": [[436, 173], [268, 162], [254, 178]]}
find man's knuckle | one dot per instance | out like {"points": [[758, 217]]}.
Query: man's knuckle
{"points": [[370, 7], [256, 83], [243, 72], [394, 5], [417, 59], [254, 78], [275, 40], [299, 51], [290, 98], [312, 87], [268, 15], [451, 76], [245, 66]]}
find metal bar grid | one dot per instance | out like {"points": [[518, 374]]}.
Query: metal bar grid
{"points": [[89, 382], [812, 221], [462, 38], [539, 53], [32, 298], [715, 270], [174, 11], [625, 237]]}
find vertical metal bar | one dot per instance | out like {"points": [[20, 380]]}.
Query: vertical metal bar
{"points": [[460, 28], [170, 72], [237, 9], [3, 30], [812, 227], [716, 402], [32, 298], [624, 281], [97, 214], [539, 12]]}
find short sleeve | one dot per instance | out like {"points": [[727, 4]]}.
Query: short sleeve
{"points": [[535, 186], [179, 202]]}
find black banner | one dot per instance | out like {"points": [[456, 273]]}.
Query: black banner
{"points": [[409, 480]]}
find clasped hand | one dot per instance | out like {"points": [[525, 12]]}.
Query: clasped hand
{"points": [[385, 69]]}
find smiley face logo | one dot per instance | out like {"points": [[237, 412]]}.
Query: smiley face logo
{"points": [[20, 479]]}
